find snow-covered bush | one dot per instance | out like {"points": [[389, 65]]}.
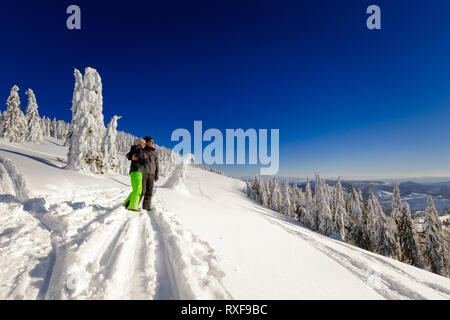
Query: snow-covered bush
{"points": [[177, 178]]}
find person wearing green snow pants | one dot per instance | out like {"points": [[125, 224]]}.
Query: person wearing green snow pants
{"points": [[136, 155], [132, 201]]}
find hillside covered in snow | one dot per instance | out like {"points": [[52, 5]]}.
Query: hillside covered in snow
{"points": [[65, 235]]}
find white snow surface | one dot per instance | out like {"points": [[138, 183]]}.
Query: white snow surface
{"points": [[65, 235]]}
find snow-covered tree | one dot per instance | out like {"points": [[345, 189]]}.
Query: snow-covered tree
{"points": [[61, 129], [322, 212], [110, 155], [88, 129], [308, 220], [339, 213], [396, 203], [262, 193], [354, 219], [35, 131], [436, 248], [276, 196], [14, 124], [360, 193], [408, 241], [53, 128], [397, 209], [44, 126], [380, 229], [300, 209], [287, 203]]}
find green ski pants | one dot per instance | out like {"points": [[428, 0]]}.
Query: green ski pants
{"points": [[132, 201]]}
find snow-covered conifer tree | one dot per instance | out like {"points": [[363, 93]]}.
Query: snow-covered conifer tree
{"points": [[308, 221], [397, 209], [110, 155], [380, 229], [396, 204], [339, 213], [276, 196], [262, 189], [14, 124], [286, 196], [354, 220], [88, 129], [360, 193], [53, 128], [301, 206], [322, 212], [436, 248], [44, 126], [35, 131], [408, 241]]}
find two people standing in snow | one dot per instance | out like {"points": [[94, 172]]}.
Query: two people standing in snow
{"points": [[144, 172]]}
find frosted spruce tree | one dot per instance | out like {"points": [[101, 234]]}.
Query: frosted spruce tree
{"points": [[300, 209], [322, 212], [339, 213], [53, 128], [396, 203], [88, 129], [61, 129], [360, 193], [287, 202], [276, 196], [14, 124], [397, 208], [263, 193], [44, 127], [436, 248], [35, 131], [110, 155], [379, 229], [354, 221], [308, 221], [408, 241]]}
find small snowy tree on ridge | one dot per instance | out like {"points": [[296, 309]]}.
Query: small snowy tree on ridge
{"points": [[35, 131]]}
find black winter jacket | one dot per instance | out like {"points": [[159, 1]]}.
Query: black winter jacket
{"points": [[151, 166], [136, 165]]}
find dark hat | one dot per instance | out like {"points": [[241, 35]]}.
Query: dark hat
{"points": [[147, 138]]}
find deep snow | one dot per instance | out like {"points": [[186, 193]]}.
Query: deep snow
{"points": [[64, 235]]}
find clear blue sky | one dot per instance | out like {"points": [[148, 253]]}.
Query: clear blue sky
{"points": [[348, 101]]}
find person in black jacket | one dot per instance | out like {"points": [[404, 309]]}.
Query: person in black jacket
{"points": [[136, 155], [150, 173]]}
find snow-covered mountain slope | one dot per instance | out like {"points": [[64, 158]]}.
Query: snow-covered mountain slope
{"points": [[64, 235]]}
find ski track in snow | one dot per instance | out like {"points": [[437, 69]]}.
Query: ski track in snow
{"points": [[95, 249], [193, 268]]}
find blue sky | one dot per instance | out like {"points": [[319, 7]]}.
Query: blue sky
{"points": [[348, 101]]}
